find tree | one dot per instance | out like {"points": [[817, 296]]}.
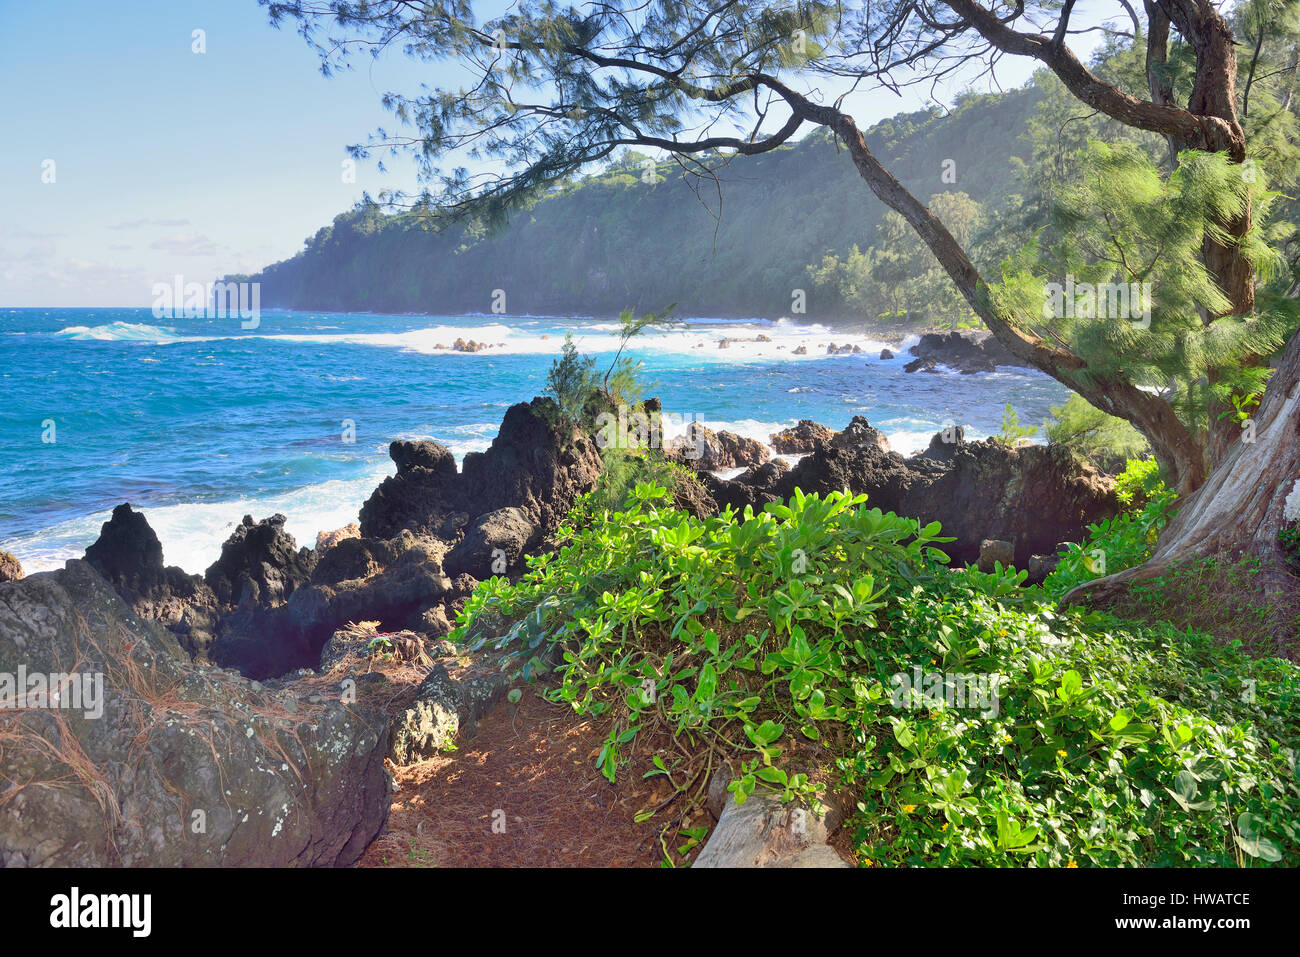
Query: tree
{"points": [[572, 381], [552, 90]]}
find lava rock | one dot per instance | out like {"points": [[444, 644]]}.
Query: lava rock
{"points": [[271, 788]]}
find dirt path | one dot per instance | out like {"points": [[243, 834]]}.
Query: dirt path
{"points": [[521, 791]]}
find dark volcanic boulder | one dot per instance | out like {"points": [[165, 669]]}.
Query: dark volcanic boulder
{"points": [[704, 450], [944, 444], [11, 570], [166, 763], [926, 364], [493, 543], [264, 642], [352, 558], [130, 557], [534, 464], [432, 456], [756, 486], [690, 494], [858, 433], [446, 703], [885, 476], [1034, 496], [993, 552], [966, 355], [260, 562], [801, 438], [128, 554]]}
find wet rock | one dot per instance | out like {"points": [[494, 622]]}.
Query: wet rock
{"points": [[886, 354]]}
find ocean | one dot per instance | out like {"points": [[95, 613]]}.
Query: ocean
{"points": [[199, 421]]}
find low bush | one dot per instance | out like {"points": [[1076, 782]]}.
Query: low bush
{"points": [[1121, 542], [971, 722]]}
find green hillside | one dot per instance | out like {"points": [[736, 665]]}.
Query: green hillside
{"points": [[612, 241]]}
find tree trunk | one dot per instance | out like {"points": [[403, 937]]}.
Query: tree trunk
{"points": [[1240, 509]]}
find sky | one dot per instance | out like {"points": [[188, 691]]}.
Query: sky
{"points": [[130, 158]]}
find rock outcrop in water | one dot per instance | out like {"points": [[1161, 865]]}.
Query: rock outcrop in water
{"points": [[800, 439], [164, 762], [430, 533], [966, 355], [704, 450], [260, 563]]}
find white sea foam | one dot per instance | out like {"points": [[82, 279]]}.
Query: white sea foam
{"points": [[126, 332], [192, 534], [699, 338]]}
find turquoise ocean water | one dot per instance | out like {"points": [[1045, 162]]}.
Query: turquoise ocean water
{"points": [[199, 421]]}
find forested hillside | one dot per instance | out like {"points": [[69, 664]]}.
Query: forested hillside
{"points": [[612, 241]]}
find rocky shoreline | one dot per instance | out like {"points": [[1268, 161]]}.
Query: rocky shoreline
{"points": [[267, 673]]}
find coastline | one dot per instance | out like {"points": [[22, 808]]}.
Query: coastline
{"points": [[192, 526]]}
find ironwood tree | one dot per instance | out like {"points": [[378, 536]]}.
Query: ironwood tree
{"points": [[549, 90]]}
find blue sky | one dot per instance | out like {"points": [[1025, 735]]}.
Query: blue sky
{"points": [[168, 161]]}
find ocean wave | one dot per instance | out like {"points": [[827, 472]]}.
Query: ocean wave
{"points": [[192, 534], [716, 341], [126, 332]]}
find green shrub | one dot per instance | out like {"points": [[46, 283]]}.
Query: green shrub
{"points": [[1012, 432], [1106, 743], [571, 381], [1121, 542], [625, 469], [1105, 440], [1137, 483]]}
